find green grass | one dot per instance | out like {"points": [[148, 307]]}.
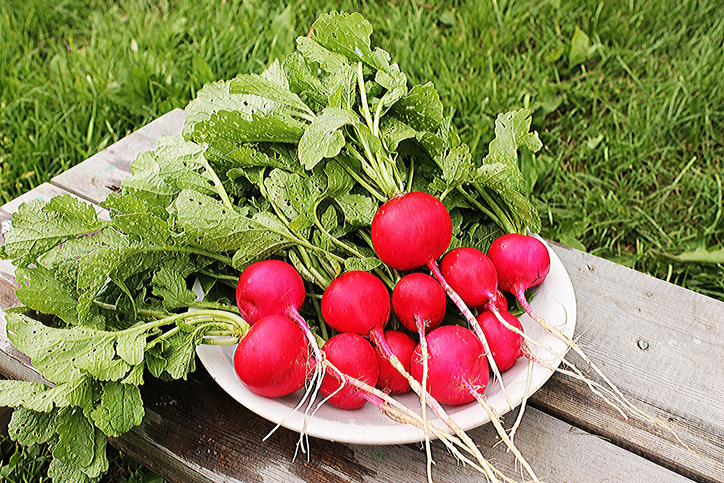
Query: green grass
{"points": [[630, 108]]}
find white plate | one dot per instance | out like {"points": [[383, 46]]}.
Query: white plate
{"points": [[555, 301]]}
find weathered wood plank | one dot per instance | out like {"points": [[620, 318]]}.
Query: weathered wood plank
{"points": [[94, 178], [196, 426], [43, 192], [661, 344]]}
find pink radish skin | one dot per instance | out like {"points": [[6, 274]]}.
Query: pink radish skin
{"points": [[471, 274], [505, 345], [390, 379], [456, 355], [274, 287], [268, 287], [271, 360], [355, 357], [521, 262], [500, 302], [411, 230], [418, 297], [356, 302]]}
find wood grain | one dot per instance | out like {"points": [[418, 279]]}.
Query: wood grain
{"points": [[661, 345], [196, 425]]}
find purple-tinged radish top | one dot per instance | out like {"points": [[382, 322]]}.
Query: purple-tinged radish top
{"points": [[411, 230], [521, 261], [269, 287]]}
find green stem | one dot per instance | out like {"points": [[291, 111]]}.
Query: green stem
{"points": [[215, 305], [363, 97], [380, 197], [219, 276], [319, 279], [331, 238], [503, 223], [378, 115], [410, 174], [509, 225], [219, 186], [143, 312]]}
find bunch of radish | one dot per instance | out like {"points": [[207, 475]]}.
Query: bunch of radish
{"points": [[444, 364]]}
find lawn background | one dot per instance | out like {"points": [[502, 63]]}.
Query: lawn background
{"points": [[628, 98]]}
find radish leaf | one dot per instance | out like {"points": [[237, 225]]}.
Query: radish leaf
{"points": [[38, 227]]}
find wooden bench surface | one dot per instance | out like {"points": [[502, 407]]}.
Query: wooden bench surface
{"points": [[661, 344]]}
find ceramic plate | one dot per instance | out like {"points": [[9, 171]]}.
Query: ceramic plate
{"points": [[555, 301]]}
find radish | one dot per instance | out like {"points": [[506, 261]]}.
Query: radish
{"points": [[418, 300], [459, 374], [411, 230], [354, 357], [390, 380], [505, 345], [456, 355], [269, 287], [356, 302], [471, 274], [271, 360]]}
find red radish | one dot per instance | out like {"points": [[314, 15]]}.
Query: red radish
{"points": [[419, 299], [271, 360], [357, 302], [274, 287], [390, 380], [355, 357], [456, 356], [521, 261], [411, 230], [471, 274], [505, 345], [269, 287]]}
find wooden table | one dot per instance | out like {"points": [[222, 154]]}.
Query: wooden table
{"points": [[662, 345]]}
